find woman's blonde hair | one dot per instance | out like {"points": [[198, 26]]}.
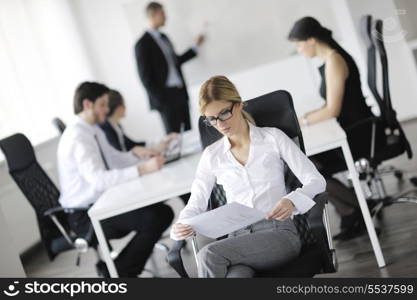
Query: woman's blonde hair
{"points": [[219, 88]]}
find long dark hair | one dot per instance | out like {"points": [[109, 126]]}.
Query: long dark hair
{"points": [[309, 27], [115, 100]]}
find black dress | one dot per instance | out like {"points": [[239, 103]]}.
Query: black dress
{"points": [[354, 109]]}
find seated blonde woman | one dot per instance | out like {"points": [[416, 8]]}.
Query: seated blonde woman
{"points": [[249, 162]]}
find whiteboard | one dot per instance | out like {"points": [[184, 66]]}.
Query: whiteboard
{"points": [[241, 34]]}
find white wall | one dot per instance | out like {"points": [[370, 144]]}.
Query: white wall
{"points": [[402, 71], [241, 35], [408, 17], [109, 41], [42, 60], [238, 41], [288, 74]]}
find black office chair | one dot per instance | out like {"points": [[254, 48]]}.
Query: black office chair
{"points": [[387, 113], [388, 139], [43, 196], [317, 254], [367, 36], [59, 125]]}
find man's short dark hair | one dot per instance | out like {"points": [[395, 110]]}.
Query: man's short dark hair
{"points": [[152, 8], [88, 90], [115, 100]]}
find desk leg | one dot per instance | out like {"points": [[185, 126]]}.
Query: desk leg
{"points": [[362, 203], [104, 247]]}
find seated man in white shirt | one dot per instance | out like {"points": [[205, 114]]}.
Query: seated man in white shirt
{"points": [[88, 165]]}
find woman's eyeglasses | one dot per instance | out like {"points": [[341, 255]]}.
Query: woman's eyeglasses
{"points": [[223, 116]]}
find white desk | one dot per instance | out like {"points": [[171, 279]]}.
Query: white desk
{"points": [[175, 179], [329, 135]]}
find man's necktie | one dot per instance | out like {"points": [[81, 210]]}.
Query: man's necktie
{"points": [[172, 55], [102, 154]]}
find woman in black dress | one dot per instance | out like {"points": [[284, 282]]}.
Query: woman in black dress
{"points": [[341, 89]]}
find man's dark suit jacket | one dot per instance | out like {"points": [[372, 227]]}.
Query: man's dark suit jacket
{"points": [[153, 71], [111, 135]]}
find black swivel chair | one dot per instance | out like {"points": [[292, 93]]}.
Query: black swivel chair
{"points": [[59, 125], [366, 32], [317, 255], [43, 196], [372, 35], [388, 139]]}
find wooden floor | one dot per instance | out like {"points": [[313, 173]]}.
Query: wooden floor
{"points": [[398, 240]]}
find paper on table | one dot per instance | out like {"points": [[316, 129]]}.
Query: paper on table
{"points": [[224, 220]]}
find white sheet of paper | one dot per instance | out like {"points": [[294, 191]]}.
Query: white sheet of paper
{"points": [[224, 220]]}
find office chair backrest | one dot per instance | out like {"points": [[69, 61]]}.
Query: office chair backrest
{"points": [[32, 180], [367, 36], [275, 109], [396, 134], [37, 187], [379, 44], [59, 124]]}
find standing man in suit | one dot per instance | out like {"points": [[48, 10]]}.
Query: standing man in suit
{"points": [[159, 69]]}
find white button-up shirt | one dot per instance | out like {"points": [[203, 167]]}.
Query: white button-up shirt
{"points": [[173, 78], [82, 173], [260, 182]]}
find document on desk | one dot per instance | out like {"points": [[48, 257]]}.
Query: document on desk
{"points": [[224, 220]]}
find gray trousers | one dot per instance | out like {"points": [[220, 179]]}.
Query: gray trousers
{"points": [[264, 245]]}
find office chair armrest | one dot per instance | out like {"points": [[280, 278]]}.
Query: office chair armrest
{"points": [[315, 215], [55, 212], [174, 259], [66, 210], [315, 222], [318, 228]]}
